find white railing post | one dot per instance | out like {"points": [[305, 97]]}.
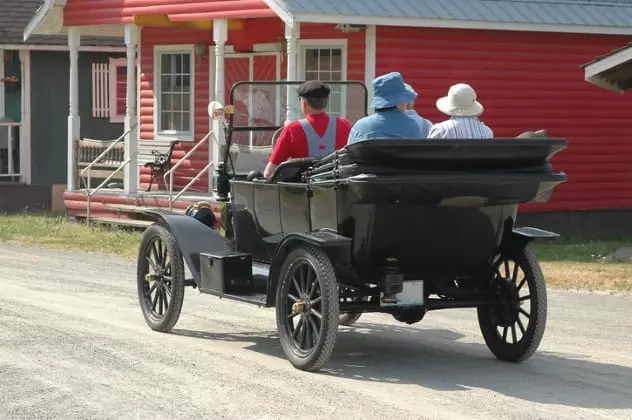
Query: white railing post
{"points": [[130, 183], [74, 125], [292, 33]]}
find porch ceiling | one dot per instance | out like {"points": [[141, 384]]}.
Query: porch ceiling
{"points": [[165, 21], [612, 71]]}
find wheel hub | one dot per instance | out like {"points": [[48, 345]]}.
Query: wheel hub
{"points": [[301, 307], [508, 304]]}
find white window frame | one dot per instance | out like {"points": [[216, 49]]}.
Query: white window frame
{"points": [[340, 43], [114, 64], [170, 134]]}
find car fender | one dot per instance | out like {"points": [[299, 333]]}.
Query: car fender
{"points": [[192, 237], [337, 247], [517, 239]]}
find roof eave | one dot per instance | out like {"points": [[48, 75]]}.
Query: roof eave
{"points": [[281, 11], [595, 72], [445, 23], [48, 20]]}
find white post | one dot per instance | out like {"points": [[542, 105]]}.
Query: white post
{"points": [[130, 185], [1, 84], [25, 126], [74, 126], [292, 33], [211, 123], [220, 36], [369, 62]]}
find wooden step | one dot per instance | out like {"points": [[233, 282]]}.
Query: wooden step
{"points": [[131, 208], [115, 221]]}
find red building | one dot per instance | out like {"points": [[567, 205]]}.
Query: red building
{"points": [[523, 57]]}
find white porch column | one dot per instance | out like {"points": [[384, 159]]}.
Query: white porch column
{"points": [[130, 184], [369, 62], [1, 84], [74, 126], [220, 36], [25, 127], [292, 34]]}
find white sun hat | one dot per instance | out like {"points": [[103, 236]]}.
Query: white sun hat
{"points": [[460, 102]]}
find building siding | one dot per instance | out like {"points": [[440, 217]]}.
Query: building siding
{"points": [[50, 73], [256, 31], [528, 81], [112, 12]]}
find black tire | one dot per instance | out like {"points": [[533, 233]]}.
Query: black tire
{"points": [[307, 290], [160, 256], [501, 323], [349, 319]]}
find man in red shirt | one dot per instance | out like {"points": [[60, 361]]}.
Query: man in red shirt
{"points": [[315, 136]]}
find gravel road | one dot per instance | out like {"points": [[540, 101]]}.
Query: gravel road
{"points": [[74, 345]]}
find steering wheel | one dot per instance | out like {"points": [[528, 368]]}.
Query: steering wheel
{"points": [[290, 169]]}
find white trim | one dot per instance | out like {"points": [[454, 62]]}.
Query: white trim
{"points": [[608, 62], [113, 99], [52, 9], [417, 22], [85, 48], [370, 55], [285, 16], [25, 128], [174, 49], [593, 71], [304, 44]]}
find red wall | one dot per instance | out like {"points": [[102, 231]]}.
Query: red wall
{"points": [[528, 81], [151, 37], [104, 12], [269, 30]]}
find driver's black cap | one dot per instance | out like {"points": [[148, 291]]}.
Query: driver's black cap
{"points": [[313, 89]]}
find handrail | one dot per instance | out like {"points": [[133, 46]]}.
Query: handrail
{"points": [[177, 165], [89, 191], [110, 147]]}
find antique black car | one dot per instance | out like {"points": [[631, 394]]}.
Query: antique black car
{"points": [[400, 227]]}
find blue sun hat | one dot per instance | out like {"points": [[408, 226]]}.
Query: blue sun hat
{"points": [[389, 90]]}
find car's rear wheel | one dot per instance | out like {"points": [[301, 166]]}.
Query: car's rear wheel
{"points": [[160, 278], [307, 308], [514, 325]]}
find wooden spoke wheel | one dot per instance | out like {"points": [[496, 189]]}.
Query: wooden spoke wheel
{"points": [[307, 308], [514, 325], [160, 278]]}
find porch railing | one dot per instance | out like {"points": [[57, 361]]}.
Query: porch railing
{"points": [[10, 169], [86, 173], [169, 173]]}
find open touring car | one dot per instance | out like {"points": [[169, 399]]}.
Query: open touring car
{"points": [[400, 227]]}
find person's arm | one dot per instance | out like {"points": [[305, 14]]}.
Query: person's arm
{"points": [[280, 153], [435, 132]]}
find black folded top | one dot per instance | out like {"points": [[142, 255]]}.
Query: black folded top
{"points": [[447, 154]]}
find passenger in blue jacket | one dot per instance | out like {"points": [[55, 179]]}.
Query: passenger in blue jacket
{"points": [[390, 99]]}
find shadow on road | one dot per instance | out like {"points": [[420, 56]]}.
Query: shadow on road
{"points": [[432, 358]]}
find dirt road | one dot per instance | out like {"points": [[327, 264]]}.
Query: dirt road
{"points": [[74, 345]]}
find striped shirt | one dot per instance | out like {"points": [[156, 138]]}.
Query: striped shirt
{"points": [[461, 128]]}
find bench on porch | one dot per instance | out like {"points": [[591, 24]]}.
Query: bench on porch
{"points": [[155, 155]]}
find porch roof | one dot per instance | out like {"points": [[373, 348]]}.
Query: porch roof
{"points": [[15, 16], [579, 16], [612, 71]]}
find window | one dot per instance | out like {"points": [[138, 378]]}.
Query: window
{"points": [[174, 93], [109, 89], [327, 63]]}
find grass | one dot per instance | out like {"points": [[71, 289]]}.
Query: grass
{"points": [[566, 265]]}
